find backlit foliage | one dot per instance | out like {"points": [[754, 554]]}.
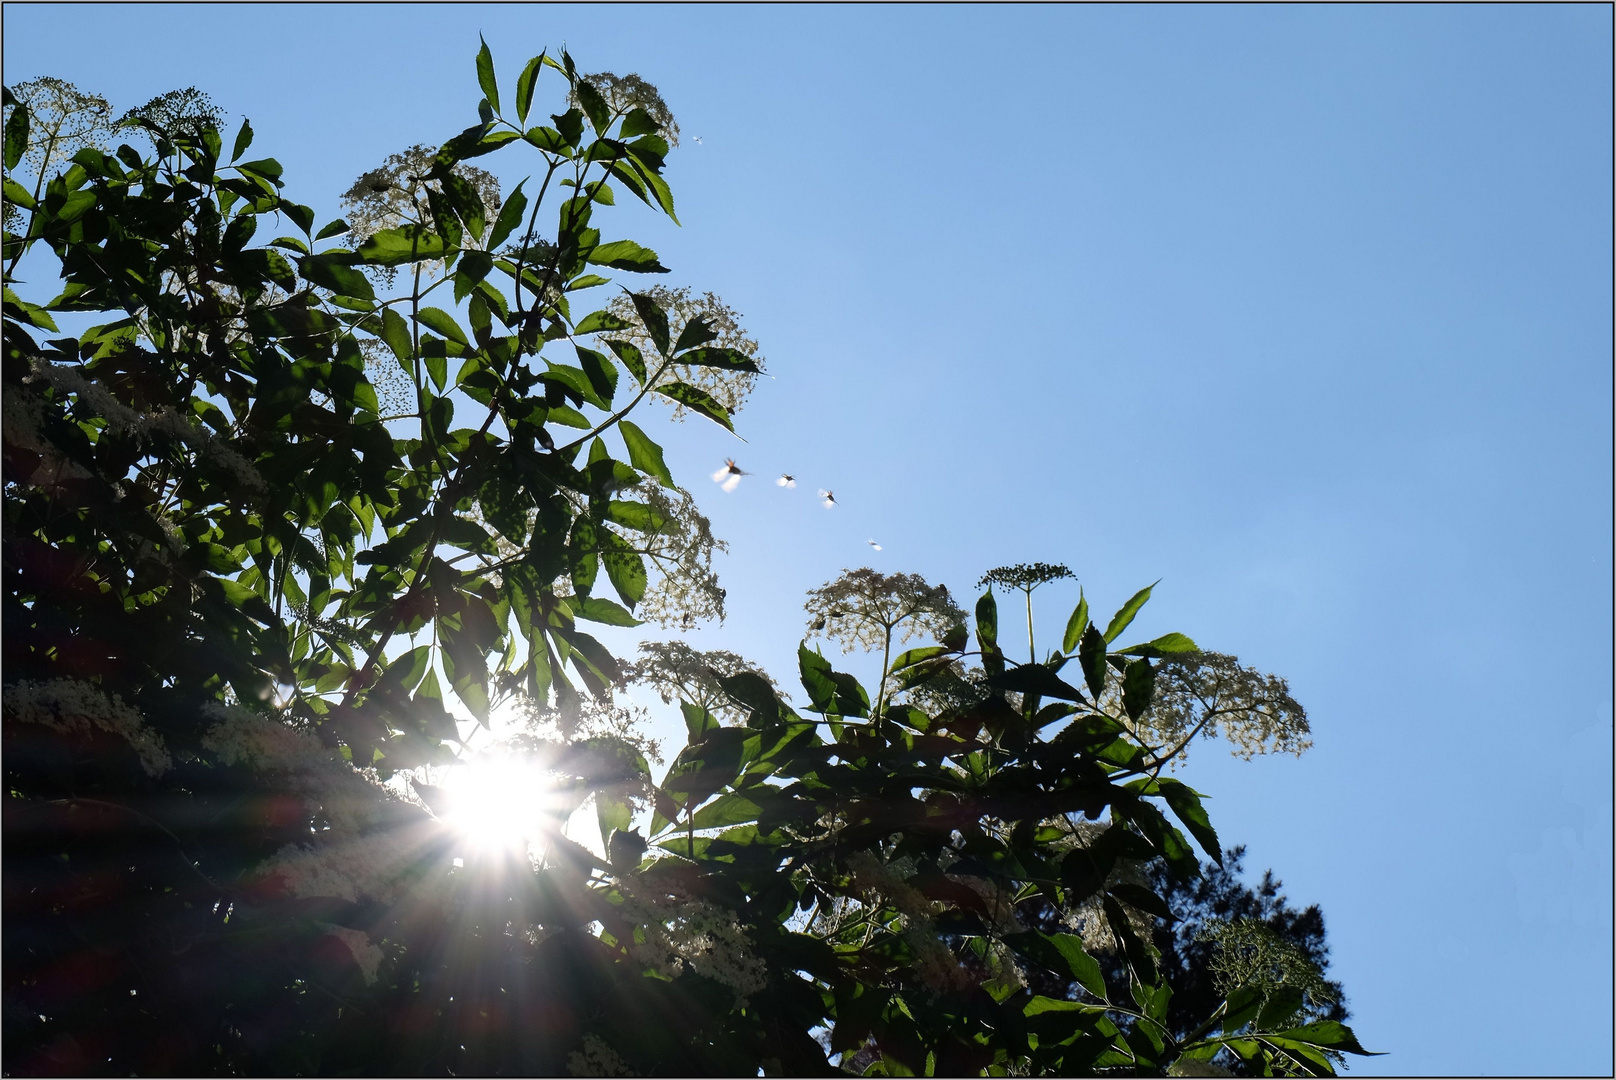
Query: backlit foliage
{"points": [[275, 544]]}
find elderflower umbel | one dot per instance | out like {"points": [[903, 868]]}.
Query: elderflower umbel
{"points": [[67, 705]]}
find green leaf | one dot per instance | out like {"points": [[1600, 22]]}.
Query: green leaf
{"points": [[631, 358], [597, 321], [394, 247], [698, 721], [817, 678], [644, 454], [1063, 954], [333, 228], [467, 203], [1035, 679], [624, 567], [18, 195], [604, 611], [595, 107], [638, 122], [987, 620], [726, 359], [912, 657], [16, 135], [441, 321], [697, 401], [614, 814], [1138, 896], [1281, 1006], [510, 217], [547, 139], [331, 274], [437, 366], [1138, 687], [1120, 621], [601, 372], [696, 331], [726, 810], [753, 691], [654, 318], [244, 138], [1185, 802], [302, 215], [1327, 1033], [583, 552], [524, 87], [1075, 626], [1166, 645], [627, 255], [485, 74], [268, 168], [1091, 654], [634, 515], [396, 333]]}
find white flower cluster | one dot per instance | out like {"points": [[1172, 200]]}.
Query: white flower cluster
{"points": [[123, 420], [346, 861], [68, 705], [347, 867], [365, 952], [935, 963], [1000, 904], [597, 1059], [675, 932], [1087, 918], [20, 417]]}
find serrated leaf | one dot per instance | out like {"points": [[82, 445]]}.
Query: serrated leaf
{"points": [[510, 217], [594, 105], [601, 610], [1185, 802], [724, 359], [598, 321], [698, 401], [1075, 626], [644, 454], [524, 87], [441, 321], [1091, 655], [485, 74], [394, 247], [16, 135], [726, 810], [654, 319], [1166, 645], [1063, 954], [627, 255], [624, 567], [1124, 615], [1138, 688], [631, 358], [244, 138]]}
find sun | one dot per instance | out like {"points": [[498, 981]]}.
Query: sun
{"points": [[497, 803]]}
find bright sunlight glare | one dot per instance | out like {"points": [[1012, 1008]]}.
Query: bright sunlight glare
{"points": [[497, 803]]}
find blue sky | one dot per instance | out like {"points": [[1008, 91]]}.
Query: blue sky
{"points": [[1304, 310]]}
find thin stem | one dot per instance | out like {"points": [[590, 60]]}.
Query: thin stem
{"points": [[1032, 653]]}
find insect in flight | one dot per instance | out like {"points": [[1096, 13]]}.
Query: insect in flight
{"points": [[828, 497], [873, 544], [787, 480], [730, 475]]}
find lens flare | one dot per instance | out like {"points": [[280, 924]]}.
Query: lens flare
{"points": [[497, 803]]}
